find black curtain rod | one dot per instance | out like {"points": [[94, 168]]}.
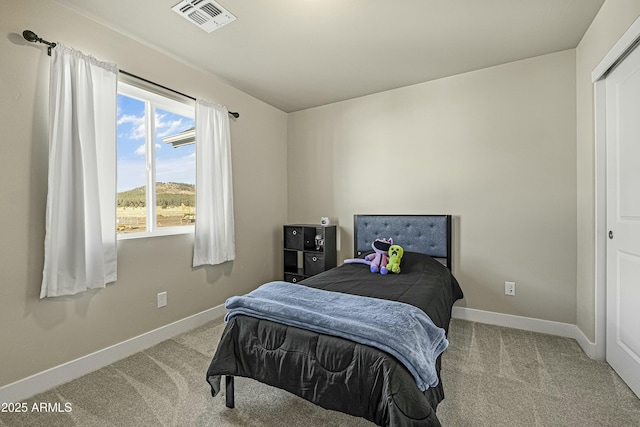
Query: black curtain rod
{"points": [[231, 113], [33, 37]]}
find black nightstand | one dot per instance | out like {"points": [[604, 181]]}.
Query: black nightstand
{"points": [[308, 249]]}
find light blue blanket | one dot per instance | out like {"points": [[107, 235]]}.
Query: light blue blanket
{"points": [[400, 329]]}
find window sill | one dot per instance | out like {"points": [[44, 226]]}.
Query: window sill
{"points": [[164, 231]]}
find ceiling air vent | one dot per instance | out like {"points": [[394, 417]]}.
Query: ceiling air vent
{"points": [[206, 14]]}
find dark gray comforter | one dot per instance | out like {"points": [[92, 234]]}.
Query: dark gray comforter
{"points": [[340, 374]]}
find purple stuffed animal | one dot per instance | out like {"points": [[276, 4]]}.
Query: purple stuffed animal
{"points": [[377, 261]]}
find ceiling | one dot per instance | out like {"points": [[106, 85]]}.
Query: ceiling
{"points": [[299, 54]]}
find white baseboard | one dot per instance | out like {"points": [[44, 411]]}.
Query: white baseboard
{"points": [[45, 380], [592, 349], [566, 330]]}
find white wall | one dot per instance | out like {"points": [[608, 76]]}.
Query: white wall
{"points": [[495, 148], [40, 334]]}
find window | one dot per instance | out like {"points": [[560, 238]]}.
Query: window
{"points": [[156, 164]]}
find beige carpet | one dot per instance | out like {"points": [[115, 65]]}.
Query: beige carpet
{"points": [[492, 376]]}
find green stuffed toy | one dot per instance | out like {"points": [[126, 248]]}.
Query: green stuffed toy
{"points": [[395, 256]]}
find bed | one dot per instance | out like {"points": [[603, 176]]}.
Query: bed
{"points": [[339, 373]]}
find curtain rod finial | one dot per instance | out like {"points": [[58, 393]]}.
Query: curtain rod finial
{"points": [[30, 36]]}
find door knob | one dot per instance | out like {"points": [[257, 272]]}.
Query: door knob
{"points": [[611, 234]]}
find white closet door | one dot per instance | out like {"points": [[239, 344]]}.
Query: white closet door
{"points": [[623, 220]]}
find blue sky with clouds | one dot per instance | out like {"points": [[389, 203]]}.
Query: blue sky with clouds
{"points": [[172, 164]]}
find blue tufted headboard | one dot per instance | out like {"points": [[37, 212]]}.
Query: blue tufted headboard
{"points": [[427, 234]]}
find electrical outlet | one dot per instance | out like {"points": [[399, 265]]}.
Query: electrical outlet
{"points": [[510, 288], [162, 299]]}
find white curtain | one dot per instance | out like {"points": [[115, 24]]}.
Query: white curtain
{"points": [[80, 240], [214, 241]]}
